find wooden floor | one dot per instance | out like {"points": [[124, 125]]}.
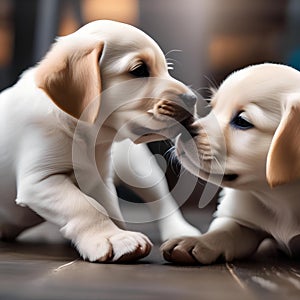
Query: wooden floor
{"points": [[46, 268]]}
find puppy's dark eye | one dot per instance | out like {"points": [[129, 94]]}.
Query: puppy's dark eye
{"points": [[140, 71], [240, 122]]}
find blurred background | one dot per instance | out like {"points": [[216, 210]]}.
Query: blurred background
{"points": [[207, 39]]}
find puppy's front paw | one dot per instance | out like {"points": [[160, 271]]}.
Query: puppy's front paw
{"points": [[194, 250], [130, 246], [119, 246]]}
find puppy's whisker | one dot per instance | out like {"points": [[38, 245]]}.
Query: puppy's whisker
{"points": [[212, 82], [173, 62], [170, 152], [204, 89], [174, 161], [183, 171], [171, 51]]}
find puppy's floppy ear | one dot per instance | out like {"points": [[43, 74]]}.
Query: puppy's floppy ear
{"points": [[70, 75], [283, 161]]}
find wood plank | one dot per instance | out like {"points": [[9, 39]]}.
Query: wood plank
{"points": [[49, 270], [55, 273], [274, 277]]}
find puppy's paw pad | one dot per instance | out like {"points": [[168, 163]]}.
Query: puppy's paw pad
{"points": [[176, 250], [130, 246], [188, 250]]}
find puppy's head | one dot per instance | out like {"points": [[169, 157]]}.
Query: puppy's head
{"points": [[115, 74], [252, 133]]}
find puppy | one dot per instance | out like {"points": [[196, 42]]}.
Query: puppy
{"points": [[249, 143], [57, 131]]}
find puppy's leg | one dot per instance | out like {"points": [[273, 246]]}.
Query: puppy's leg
{"points": [[81, 219], [100, 185], [136, 166], [170, 220], [228, 240], [166, 212]]}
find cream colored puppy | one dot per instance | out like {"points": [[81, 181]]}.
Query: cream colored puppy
{"points": [[250, 144], [56, 134]]}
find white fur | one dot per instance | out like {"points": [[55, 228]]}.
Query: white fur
{"points": [[41, 178], [263, 201]]}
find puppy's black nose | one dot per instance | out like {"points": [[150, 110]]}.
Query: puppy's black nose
{"points": [[189, 99]]}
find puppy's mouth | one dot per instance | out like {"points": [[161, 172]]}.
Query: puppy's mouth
{"points": [[230, 177], [206, 175], [146, 134], [149, 137], [226, 177]]}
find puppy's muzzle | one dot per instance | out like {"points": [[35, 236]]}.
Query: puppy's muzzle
{"points": [[180, 108], [175, 110]]}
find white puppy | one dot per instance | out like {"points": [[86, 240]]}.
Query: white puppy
{"points": [[56, 134], [251, 136]]}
